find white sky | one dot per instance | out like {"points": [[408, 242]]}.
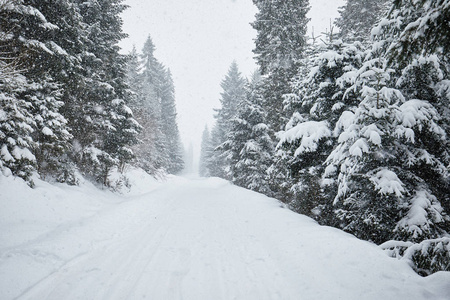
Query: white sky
{"points": [[198, 40]]}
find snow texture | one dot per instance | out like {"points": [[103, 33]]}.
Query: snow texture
{"points": [[386, 182], [185, 239], [310, 133]]}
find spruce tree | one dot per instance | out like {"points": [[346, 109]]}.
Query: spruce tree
{"points": [[249, 146], [318, 99], [151, 154], [233, 94], [33, 46], [358, 17], [386, 161], [104, 128], [169, 126], [205, 153], [280, 43]]}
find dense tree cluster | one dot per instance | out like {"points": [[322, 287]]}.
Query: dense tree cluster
{"points": [[153, 103], [66, 103], [364, 115]]}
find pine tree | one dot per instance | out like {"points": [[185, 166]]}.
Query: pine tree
{"points": [[169, 126], [249, 146], [280, 44], [358, 17], [39, 57], [319, 98], [16, 127], [233, 94], [151, 154], [205, 153], [381, 160], [108, 129]]}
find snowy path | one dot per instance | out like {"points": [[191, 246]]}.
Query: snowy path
{"points": [[203, 239]]}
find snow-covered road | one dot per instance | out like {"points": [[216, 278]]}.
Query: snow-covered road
{"points": [[191, 239]]}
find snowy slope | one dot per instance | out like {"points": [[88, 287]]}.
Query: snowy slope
{"points": [[185, 239]]}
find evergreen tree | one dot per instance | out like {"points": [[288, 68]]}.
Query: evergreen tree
{"points": [[279, 45], [205, 153], [32, 47], [16, 126], [215, 162], [249, 146], [104, 128], [51, 135], [319, 98], [358, 17], [151, 154], [169, 126], [233, 94], [417, 28], [384, 162], [133, 79]]}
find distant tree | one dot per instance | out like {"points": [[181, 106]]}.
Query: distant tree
{"points": [[169, 126], [233, 94], [189, 159], [151, 154], [205, 153]]}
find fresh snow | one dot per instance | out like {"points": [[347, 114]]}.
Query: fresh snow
{"points": [[310, 133], [185, 239]]}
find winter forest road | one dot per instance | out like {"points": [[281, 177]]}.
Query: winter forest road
{"points": [[206, 239]]}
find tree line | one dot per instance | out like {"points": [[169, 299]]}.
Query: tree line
{"points": [[350, 128], [71, 104]]}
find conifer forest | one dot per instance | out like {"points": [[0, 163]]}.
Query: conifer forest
{"points": [[351, 129]]}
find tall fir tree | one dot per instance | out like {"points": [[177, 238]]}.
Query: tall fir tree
{"points": [[381, 159], [248, 145], [280, 43], [108, 129], [358, 17], [233, 94], [318, 99], [169, 126], [205, 153], [151, 154], [32, 46]]}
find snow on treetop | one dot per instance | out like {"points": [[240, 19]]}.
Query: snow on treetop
{"points": [[23, 153], [417, 113], [308, 132], [6, 155], [359, 147], [373, 134], [47, 131], [417, 219], [387, 182]]}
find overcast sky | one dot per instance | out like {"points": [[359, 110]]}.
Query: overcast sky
{"points": [[198, 40]]}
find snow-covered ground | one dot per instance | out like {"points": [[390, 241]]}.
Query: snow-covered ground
{"points": [[185, 239]]}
